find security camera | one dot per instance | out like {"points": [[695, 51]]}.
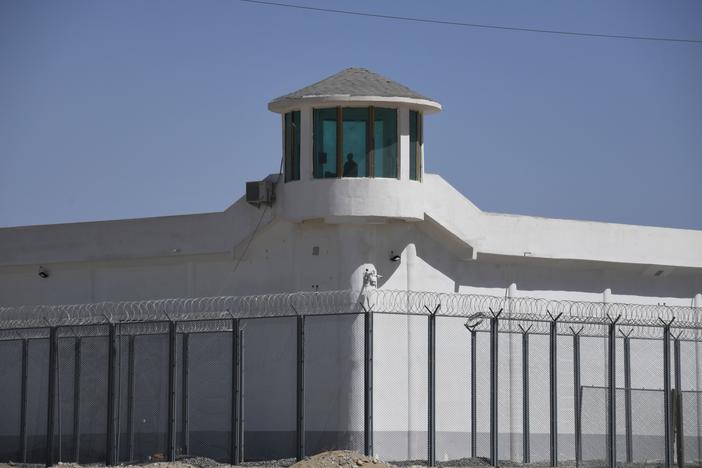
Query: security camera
{"points": [[43, 272], [394, 257]]}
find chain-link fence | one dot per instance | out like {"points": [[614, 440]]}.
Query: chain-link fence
{"points": [[408, 377]]}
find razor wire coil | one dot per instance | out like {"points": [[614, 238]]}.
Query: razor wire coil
{"points": [[216, 313]]}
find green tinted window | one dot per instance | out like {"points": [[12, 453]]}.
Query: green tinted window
{"points": [[385, 142], [415, 135], [355, 142], [292, 146], [325, 143]]}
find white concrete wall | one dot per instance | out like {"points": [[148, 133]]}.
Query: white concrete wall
{"points": [[289, 257], [456, 248]]}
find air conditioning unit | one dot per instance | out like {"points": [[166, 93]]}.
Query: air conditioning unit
{"points": [[260, 192]]}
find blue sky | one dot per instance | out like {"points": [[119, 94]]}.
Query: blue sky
{"points": [[132, 108]]}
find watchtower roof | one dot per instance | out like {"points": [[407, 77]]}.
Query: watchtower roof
{"points": [[353, 83]]}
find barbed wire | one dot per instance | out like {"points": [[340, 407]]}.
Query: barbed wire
{"points": [[216, 313]]}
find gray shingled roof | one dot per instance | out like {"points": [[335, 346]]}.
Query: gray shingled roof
{"points": [[354, 82]]}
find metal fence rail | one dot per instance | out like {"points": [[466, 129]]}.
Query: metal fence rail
{"points": [[116, 382]]}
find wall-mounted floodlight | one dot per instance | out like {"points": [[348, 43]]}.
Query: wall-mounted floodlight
{"points": [[394, 257], [43, 272]]}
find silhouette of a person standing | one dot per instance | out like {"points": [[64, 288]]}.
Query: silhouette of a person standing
{"points": [[350, 166]]}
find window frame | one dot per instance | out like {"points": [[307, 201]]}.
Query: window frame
{"points": [[372, 146], [292, 136], [315, 149], [418, 144]]}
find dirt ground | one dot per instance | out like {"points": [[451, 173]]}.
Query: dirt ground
{"points": [[334, 459], [341, 459]]}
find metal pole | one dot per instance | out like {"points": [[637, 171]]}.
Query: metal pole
{"points": [[241, 396], [493, 388], [300, 387], [576, 398], [23, 402], [526, 450], [172, 396], [130, 397], [679, 441], [667, 411], [611, 393], [185, 398], [627, 399], [697, 302], [58, 402], [553, 388], [51, 412], [76, 397], [368, 382], [118, 393], [431, 436], [473, 394], [111, 449], [236, 389]]}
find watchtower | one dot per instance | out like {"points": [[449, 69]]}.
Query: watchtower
{"points": [[353, 149]]}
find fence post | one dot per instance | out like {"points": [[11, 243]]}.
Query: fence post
{"points": [[679, 441], [553, 387], [473, 393], [172, 375], [77, 347], [185, 398], [627, 397], [494, 322], [130, 397], [235, 442], [526, 450], [111, 449], [431, 436], [300, 387], [576, 396], [23, 402], [667, 410], [697, 302], [612, 392], [240, 403], [368, 380], [471, 327], [51, 412]]}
